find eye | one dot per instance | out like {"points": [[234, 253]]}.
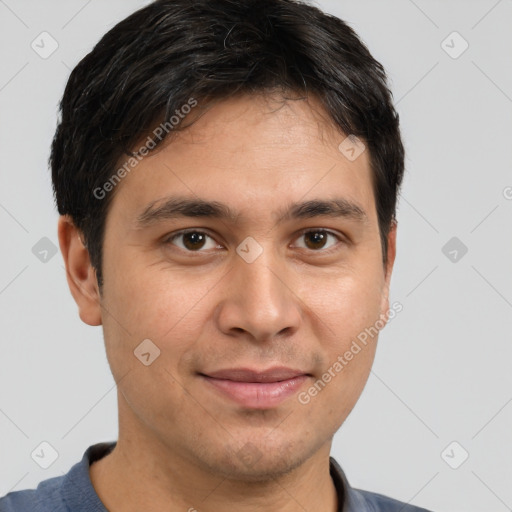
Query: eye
{"points": [[317, 239], [192, 240]]}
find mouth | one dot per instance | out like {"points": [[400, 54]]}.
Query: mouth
{"points": [[256, 389]]}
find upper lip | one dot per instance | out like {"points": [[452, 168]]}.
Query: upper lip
{"points": [[275, 374]]}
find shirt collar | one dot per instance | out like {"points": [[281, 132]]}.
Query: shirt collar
{"points": [[349, 500]]}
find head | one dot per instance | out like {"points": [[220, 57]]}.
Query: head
{"points": [[266, 130]]}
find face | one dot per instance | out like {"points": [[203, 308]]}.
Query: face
{"points": [[250, 283]]}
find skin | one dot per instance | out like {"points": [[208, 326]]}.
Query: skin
{"points": [[180, 440]]}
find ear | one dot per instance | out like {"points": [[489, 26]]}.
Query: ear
{"points": [[389, 269], [80, 274]]}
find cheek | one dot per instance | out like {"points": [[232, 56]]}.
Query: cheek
{"points": [[347, 308], [169, 308], [345, 304], [159, 302], [347, 314], [165, 307]]}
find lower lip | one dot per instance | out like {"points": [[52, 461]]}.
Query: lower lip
{"points": [[258, 395]]}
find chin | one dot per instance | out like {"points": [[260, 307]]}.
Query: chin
{"points": [[257, 461]]}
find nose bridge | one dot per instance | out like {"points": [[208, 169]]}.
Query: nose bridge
{"points": [[259, 300], [260, 281]]}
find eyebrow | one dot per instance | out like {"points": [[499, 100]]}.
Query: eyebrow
{"points": [[179, 206]]}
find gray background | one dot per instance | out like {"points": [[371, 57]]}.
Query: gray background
{"points": [[442, 368]]}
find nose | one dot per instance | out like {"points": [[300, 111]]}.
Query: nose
{"points": [[259, 301]]}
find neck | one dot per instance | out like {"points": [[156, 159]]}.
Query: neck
{"points": [[138, 475]]}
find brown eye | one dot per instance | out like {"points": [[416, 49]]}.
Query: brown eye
{"points": [[192, 240], [317, 239]]}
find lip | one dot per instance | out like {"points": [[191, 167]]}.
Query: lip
{"points": [[256, 389]]}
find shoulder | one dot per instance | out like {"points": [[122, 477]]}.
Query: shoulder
{"points": [[380, 503], [357, 500], [70, 492], [45, 498]]}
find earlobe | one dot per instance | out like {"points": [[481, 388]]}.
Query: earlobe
{"points": [[80, 274], [389, 269], [391, 250]]}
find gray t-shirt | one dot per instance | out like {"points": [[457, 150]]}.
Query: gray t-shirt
{"points": [[73, 492]]}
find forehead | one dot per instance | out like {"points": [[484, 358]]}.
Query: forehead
{"points": [[248, 150], [262, 124]]}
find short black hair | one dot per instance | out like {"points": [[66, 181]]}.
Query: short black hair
{"points": [[158, 59]]}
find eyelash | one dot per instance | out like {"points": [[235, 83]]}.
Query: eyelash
{"points": [[335, 247]]}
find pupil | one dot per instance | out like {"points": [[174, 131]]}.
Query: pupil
{"points": [[316, 237], [193, 240]]}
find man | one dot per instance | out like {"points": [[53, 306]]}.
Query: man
{"points": [[226, 174]]}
